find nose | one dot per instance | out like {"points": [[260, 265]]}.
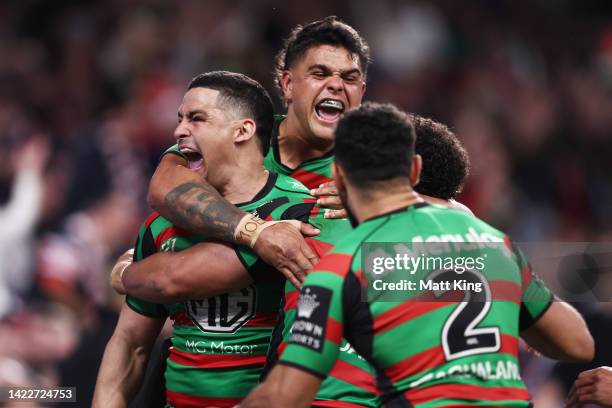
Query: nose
{"points": [[335, 82], [181, 130]]}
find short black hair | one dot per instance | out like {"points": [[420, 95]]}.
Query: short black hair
{"points": [[374, 142], [329, 31], [244, 94], [446, 163]]}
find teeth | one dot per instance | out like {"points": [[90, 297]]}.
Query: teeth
{"points": [[330, 103]]}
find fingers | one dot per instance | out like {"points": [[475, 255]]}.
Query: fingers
{"points": [[291, 277], [282, 246], [335, 214], [325, 189], [572, 397], [293, 272], [310, 255], [308, 230], [332, 202]]}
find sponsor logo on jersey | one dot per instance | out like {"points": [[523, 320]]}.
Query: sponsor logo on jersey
{"points": [[307, 304], [225, 313], [297, 185], [309, 328]]}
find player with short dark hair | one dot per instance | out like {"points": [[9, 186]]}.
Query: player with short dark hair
{"points": [[221, 332], [321, 81], [244, 96], [446, 166], [322, 74], [330, 31], [442, 352]]}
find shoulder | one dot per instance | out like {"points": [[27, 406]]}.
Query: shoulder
{"points": [[345, 255]]}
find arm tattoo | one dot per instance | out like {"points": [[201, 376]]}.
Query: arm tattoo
{"points": [[198, 207]]}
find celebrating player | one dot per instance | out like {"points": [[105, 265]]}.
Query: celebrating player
{"points": [[432, 353], [321, 72], [224, 129]]}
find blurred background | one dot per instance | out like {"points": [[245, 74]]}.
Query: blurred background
{"points": [[88, 100]]}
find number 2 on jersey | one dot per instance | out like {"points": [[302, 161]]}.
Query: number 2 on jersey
{"points": [[461, 335]]}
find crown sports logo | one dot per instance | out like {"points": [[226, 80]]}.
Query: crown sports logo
{"points": [[307, 304], [309, 328]]}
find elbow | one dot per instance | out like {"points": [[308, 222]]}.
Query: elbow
{"points": [[166, 290], [170, 289], [155, 195], [584, 348]]}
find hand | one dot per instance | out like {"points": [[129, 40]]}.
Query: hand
{"points": [[592, 387], [116, 275], [33, 155], [329, 200], [282, 246]]}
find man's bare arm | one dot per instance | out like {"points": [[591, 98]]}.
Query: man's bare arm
{"points": [[561, 334], [186, 199], [285, 387], [204, 270], [125, 359]]}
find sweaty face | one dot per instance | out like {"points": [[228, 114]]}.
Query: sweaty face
{"points": [[321, 85], [204, 129]]}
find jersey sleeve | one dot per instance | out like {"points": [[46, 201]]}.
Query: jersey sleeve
{"points": [[536, 298], [316, 334], [174, 149], [145, 246]]}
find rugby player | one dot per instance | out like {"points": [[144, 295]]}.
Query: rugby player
{"points": [[321, 72], [226, 335], [424, 353], [166, 277], [446, 166]]}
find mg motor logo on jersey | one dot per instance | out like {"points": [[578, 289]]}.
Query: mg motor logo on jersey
{"points": [[225, 313]]}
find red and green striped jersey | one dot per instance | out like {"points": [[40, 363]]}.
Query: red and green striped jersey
{"points": [[219, 344], [312, 173], [350, 382], [428, 350]]}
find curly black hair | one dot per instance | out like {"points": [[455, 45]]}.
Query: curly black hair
{"points": [[446, 163], [374, 142], [329, 31]]}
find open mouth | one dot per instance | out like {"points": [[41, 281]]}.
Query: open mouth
{"points": [[329, 110], [195, 160]]}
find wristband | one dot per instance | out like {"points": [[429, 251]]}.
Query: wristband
{"points": [[123, 264], [250, 227]]}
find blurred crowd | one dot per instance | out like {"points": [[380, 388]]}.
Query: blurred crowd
{"points": [[88, 99]]}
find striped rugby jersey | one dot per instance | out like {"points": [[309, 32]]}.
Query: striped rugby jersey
{"points": [[219, 344], [426, 352]]}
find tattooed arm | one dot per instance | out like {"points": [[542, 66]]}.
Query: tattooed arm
{"points": [[186, 199]]}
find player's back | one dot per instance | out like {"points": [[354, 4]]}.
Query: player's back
{"points": [[425, 343], [436, 337]]}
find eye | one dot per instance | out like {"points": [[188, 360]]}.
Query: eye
{"points": [[319, 74], [351, 79]]}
